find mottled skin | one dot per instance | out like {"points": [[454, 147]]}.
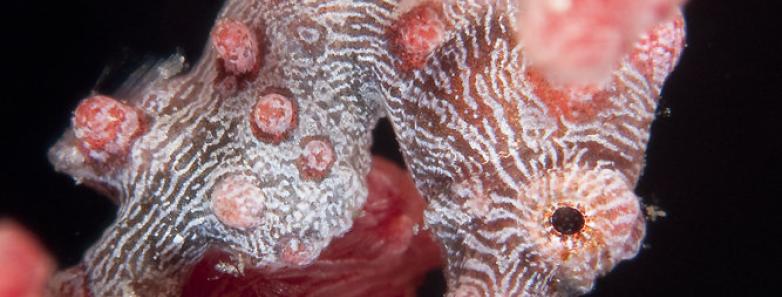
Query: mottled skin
{"points": [[384, 254], [496, 148], [199, 133], [478, 128]]}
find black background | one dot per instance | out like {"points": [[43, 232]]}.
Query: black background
{"points": [[712, 159]]}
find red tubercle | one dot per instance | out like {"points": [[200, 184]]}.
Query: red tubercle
{"points": [[317, 157], [237, 47], [105, 128], [416, 34], [274, 116]]}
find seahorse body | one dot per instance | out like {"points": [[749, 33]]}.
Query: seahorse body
{"points": [[261, 150]]}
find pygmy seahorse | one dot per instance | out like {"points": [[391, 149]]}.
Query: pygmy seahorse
{"points": [[261, 150]]}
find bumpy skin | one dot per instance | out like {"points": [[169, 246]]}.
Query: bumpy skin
{"points": [[199, 134], [493, 146], [381, 256]]}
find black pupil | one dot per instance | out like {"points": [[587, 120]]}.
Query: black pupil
{"points": [[567, 220]]}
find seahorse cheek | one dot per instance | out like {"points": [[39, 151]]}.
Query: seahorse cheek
{"points": [[614, 234], [625, 231]]}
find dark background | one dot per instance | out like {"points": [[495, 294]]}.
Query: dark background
{"points": [[712, 159]]}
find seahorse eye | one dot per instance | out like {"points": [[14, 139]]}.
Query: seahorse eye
{"points": [[567, 220]]}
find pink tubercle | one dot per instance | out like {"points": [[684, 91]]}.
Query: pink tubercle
{"points": [[238, 201], [106, 127], [317, 157], [622, 225], [273, 117], [237, 46], [295, 253], [416, 34], [368, 260]]}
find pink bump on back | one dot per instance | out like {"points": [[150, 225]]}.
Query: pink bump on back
{"points": [[105, 128], [294, 252], [416, 34], [273, 117], [317, 157], [236, 46], [238, 202]]}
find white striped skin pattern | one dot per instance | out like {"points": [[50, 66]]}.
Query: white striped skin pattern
{"points": [[490, 154], [496, 149]]}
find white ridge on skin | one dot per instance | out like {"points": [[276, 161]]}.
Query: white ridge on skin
{"points": [[491, 155]]}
